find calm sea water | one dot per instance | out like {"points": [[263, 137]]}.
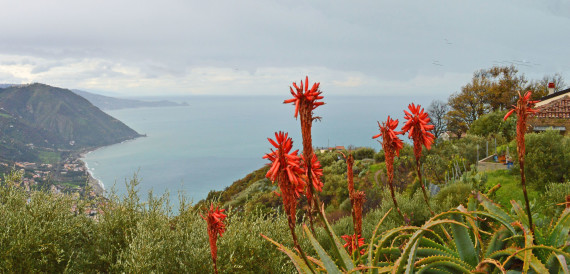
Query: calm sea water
{"points": [[217, 140]]}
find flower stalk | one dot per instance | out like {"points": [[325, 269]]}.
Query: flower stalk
{"points": [[418, 128], [391, 145], [214, 218], [522, 109], [305, 101], [285, 169]]}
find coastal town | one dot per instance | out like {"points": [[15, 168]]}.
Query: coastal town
{"points": [[70, 175]]}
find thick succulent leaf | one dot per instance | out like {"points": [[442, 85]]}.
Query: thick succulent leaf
{"points": [[472, 203], [557, 264], [429, 243], [469, 219], [428, 251], [497, 264], [535, 263], [375, 269], [432, 259], [386, 236], [498, 219], [521, 215], [371, 245], [463, 242], [559, 233], [344, 259], [528, 242], [448, 265], [389, 251], [328, 263], [491, 207], [297, 261], [563, 264], [409, 251], [496, 242]]}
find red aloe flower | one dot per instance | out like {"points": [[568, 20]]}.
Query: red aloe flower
{"points": [[391, 145], [316, 171], [286, 170], [356, 197], [306, 96], [359, 199], [305, 101], [214, 219], [353, 243], [523, 108], [286, 165], [418, 127]]}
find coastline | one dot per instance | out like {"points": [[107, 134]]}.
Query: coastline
{"points": [[96, 184]]}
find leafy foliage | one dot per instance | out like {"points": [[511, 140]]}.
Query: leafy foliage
{"points": [[547, 158]]}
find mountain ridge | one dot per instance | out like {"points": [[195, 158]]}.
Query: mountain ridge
{"points": [[112, 103], [65, 119]]}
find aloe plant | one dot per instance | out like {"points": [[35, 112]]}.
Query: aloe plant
{"points": [[482, 238]]}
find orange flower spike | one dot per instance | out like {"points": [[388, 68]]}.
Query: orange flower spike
{"points": [[523, 108], [214, 219], [316, 172], [352, 242], [391, 145], [417, 128], [286, 163]]}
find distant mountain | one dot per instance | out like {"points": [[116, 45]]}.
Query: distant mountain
{"points": [[43, 116], [111, 103]]}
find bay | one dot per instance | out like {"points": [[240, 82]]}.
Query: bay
{"points": [[217, 140]]}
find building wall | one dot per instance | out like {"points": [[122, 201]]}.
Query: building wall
{"points": [[552, 122]]}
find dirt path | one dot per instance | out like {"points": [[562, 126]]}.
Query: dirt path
{"points": [[376, 177]]}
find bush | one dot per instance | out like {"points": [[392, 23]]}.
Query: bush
{"points": [[547, 159], [364, 153]]}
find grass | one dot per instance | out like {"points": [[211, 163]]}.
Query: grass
{"points": [[49, 157], [510, 187], [5, 115]]}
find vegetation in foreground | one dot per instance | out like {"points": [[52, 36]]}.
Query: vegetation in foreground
{"points": [[50, 233]]}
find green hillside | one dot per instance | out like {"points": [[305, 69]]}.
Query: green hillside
{"points": [[51, 117]]}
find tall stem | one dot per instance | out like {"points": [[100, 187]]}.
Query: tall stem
{"points": [[296, 243], [390, 169], [523, 182], [423, 186], [305, 111]]}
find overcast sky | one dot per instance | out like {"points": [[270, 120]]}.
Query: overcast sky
{"points": [[140, 48]]}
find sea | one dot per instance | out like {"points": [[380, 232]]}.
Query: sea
{"points": [[216, 140]]}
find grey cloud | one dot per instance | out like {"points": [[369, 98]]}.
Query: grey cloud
{"points": [[388, 39]]}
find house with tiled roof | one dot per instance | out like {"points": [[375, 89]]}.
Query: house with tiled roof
{"points": [[553, 113]]}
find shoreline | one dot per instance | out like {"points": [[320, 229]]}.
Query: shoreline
{"points": [[96, 184]]}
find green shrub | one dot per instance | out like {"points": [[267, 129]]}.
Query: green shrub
{"points": [[547, 159]]}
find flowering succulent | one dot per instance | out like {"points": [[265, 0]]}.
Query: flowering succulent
{"points": [[305, 101], [390, 141], [285, 164], [353, 243], [523, 108], [358, 201], [316, 171], [417, 126], [391, 145], [214, 218], [286, 170], [304, 98]]}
